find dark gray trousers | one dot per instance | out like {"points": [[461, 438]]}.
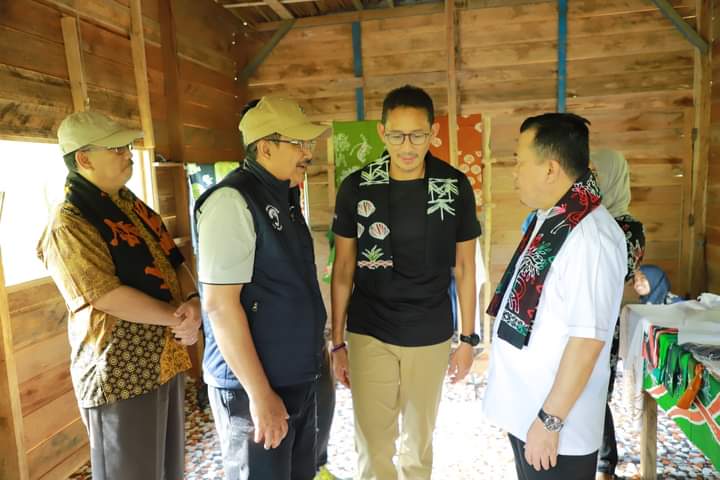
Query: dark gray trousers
{"points": [[140, 438]]}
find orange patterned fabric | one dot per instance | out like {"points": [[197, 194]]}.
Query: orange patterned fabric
{"points": [[470, 143]]}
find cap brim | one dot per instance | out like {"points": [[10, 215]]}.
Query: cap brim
{"points": [[118, 139], [304, 131]]}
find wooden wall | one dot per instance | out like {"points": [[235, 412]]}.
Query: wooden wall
{"points": [[629, 72], [35, 95], [712, 249]]}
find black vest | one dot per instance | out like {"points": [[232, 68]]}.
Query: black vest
{"points": [[283, 303]]}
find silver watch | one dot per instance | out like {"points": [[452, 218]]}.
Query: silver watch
{"points": [[551, 422]]}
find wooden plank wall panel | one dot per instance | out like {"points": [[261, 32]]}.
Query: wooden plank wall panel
{"points": [[629, 72], [712, 248], [35, 97]]}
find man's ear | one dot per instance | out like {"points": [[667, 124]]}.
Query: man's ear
{"points": [[554, 170], [434, 130], [381, 131], [83, 160], [263, 149]]}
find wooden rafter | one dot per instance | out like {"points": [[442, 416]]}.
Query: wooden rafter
{"points": [[73, 56], [258, 59], [280, 9], [687, 31]]}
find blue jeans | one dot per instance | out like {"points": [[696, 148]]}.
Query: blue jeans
{"points": [[243, 459]]}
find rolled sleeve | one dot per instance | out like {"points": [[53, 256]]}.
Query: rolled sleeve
{"points": [[226, 239]]}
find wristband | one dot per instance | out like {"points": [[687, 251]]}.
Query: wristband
{"points": [[338, 347], [191, 296]]}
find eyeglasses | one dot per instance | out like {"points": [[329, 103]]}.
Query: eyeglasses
{"points": [[116, 150], [308, 145], [398, 138]]}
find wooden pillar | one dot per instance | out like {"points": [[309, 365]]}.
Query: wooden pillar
{"points": [[73, 56], [13, 461], [137, 43], [696, 274], [451, 46], [648, 438], [487, 208]]}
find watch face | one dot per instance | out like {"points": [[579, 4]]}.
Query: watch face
{"points": [[553, 424]]}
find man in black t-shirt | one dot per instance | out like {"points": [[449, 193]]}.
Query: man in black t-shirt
{"points": [[402, 225]]}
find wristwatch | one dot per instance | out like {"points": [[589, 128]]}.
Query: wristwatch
{"points": [[551, 422], [473, 339]]}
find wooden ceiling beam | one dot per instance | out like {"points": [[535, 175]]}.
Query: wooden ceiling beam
{"points": [[280, 9]]}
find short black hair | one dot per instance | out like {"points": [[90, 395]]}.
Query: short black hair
{"points": [[70, 162], [251, 150], [564, 136], [408, 96]]}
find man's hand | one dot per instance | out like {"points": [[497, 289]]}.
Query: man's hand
{"points": [[541, 446], [188, 314], [460, 362], [269, 416], [339, 360]]}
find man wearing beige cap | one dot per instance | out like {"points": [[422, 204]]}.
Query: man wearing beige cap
{"points": [[132, 306], [265, 314]]}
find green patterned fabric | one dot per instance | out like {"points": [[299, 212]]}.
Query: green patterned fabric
{"points": [[668, 382], [355, 144], [204, 175]]}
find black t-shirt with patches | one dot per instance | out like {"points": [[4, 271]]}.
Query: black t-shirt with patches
{"points": [[415, 309]]}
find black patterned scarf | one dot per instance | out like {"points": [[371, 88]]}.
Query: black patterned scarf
{"points": [[136, 264], [519, 313]]}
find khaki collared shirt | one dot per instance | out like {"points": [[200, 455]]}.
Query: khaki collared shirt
{"points": [[111, 359]]}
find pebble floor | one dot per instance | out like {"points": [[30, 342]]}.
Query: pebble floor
{"points": [[466, 445]]}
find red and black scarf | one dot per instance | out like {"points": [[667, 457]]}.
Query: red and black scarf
{"points": [[519, 312], [134, 262]]}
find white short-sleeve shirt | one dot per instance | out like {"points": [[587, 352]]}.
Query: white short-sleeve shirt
{"points": [[581, 298], [226, 239]]}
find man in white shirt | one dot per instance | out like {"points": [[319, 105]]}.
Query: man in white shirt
{"points": [[556, 308]]}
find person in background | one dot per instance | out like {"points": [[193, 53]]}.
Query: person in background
{"points": [[613, 175], [652, 285]]}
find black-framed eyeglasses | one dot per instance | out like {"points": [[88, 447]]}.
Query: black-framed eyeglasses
{"points": [[398, 138], [307, 145]]}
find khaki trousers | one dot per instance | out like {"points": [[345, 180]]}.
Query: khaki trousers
{"points": [[396, 393]]}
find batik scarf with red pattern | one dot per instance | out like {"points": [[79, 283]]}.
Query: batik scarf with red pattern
{"points": [[519, 312], [135, 263]]}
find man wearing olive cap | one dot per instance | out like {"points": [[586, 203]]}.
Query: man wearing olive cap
{"points": [[132, 306], [265, 314]]}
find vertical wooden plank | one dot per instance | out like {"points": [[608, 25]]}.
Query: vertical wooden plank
{"points": [[451, 46], [331, 174], [487, 209], [697, 278], [686, 238], [648, 438], [73, 56], [175, 123], [137, 43], [358, 70], [13, 462]]}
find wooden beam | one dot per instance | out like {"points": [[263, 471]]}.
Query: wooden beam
{"points": [[699, 40], [451, 46], [12, 435], [648, 438], [562, 56], [137, 43], [73, 56], [487, 211], [280, 9], [260, 4], [260, 57], [358, 70], [358, 5], [701, 151], [349, 17]]}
